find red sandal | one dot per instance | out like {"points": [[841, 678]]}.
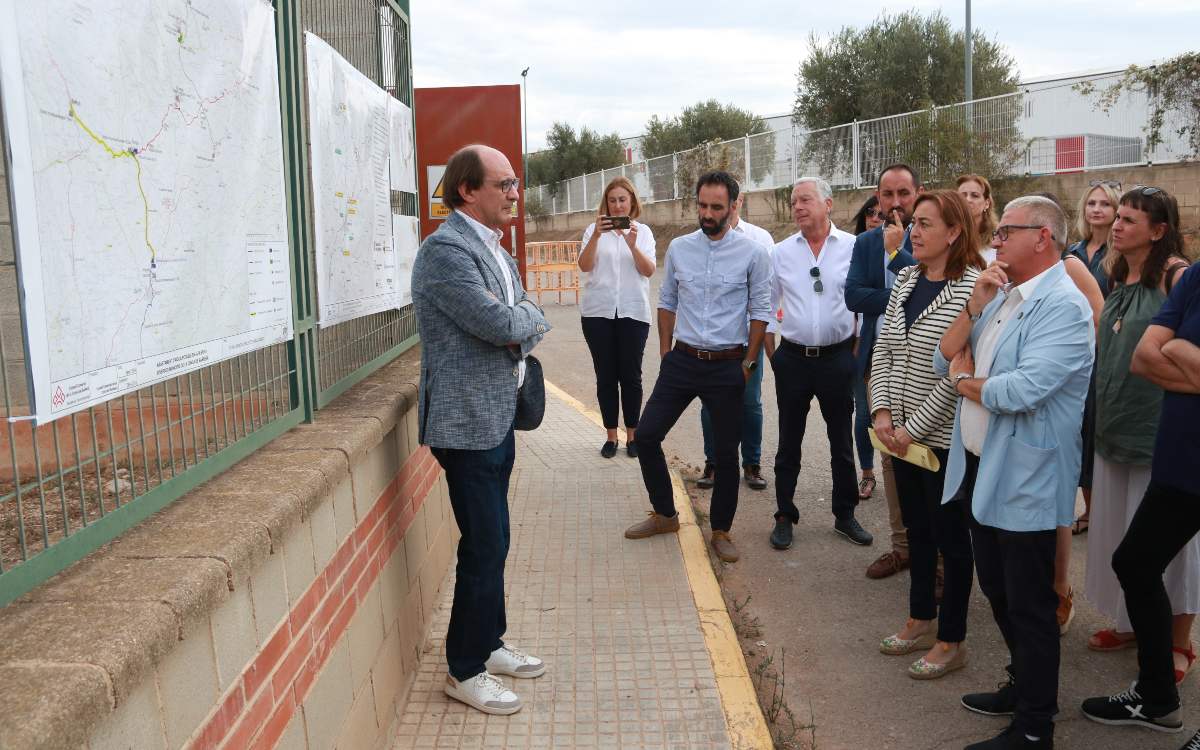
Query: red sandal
{"points": [[1107, 640], [1190, 654]]}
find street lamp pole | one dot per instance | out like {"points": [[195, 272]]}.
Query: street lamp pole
{"points": [[969, 91], [525, 132]]}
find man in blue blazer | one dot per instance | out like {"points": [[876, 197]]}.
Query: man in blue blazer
{"points": [[878, 256], [476, 325], [1021, 361]]}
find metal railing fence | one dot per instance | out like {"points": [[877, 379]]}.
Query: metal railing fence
{"points": [[373, 35], [74, 484], [1045, 128]]}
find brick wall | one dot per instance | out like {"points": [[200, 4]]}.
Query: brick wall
{"points": [[283, 604]]}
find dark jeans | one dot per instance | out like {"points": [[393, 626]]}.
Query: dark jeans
{"points": [[1166, 520], [752, 421], [1016, 574], [932, 528], [617, 345], [862, 420], [830, 378], [478, 483], [719, 385]]}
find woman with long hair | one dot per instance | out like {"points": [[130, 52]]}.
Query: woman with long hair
{"points": [[1145, 261], [615, 306], [977, 192], [911, 403]]}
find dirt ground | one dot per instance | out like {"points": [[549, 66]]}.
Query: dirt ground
{"points": [[812, 611]]}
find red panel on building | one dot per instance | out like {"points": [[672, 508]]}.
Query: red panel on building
{"points": [[1069, 153], [450, 118]]}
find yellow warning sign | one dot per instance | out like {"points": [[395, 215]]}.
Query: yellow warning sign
{"points": [[434, 175]]}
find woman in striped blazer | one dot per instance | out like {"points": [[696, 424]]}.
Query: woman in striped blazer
{"points": [[910, 403]]}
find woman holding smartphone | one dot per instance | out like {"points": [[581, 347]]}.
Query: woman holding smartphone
{"points": [[617, 262]]}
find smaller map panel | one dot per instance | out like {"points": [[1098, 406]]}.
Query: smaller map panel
{"points": [[403, 147], [406, 235], [350, 134]]}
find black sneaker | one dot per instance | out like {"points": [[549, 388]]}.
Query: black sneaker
{"points": [[852, 530], [1193, 743], [781, 537], [609, 449], [706, 480], [1129, 708], [1003, 702]]}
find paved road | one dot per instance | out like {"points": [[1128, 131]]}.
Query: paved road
{"points": [[815, 601]]}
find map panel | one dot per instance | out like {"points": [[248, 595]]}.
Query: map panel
{"points": [[406, 234], [147, 173], [350, 133], [403, 147]]}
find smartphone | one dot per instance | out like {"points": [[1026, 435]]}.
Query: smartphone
{"points": [[618, 222]]}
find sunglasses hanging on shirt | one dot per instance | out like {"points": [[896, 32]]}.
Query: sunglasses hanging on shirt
{"points": [[815, 272]]}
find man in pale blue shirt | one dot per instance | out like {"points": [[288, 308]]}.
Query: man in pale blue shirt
{"points": [[710, 279], [752, 411]]}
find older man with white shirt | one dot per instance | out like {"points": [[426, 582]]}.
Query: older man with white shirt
{"points": [[815, 357], [752, 413]]}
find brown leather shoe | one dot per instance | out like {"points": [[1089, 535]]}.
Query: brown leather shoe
{"points": [[1065, 612], [889, 564], [723, 545], [654, 524], [754, 477]]}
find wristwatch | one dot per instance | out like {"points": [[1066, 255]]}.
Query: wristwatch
{"points": [[750, 364], [973, 318], [960, 378]]}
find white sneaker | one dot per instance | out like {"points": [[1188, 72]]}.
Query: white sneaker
{"points": [[509, 661], [484, 692]]}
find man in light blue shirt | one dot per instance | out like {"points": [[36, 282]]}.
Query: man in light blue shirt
{"points": [[710, 279], [1021, 360]]}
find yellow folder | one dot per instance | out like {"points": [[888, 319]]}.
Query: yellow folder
{"points": [[917, 454]]}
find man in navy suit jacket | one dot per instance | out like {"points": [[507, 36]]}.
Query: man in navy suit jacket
{"points": [[873, 269]]}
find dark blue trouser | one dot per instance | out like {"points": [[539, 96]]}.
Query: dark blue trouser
{"points": [[752, 421], [719, 385], [1164, 523], [478, 483], [798, 379]]}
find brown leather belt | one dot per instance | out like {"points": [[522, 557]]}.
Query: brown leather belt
{"points": [[737, 352]]}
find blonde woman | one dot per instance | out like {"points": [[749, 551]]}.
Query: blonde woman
{"points": [[615, 306], [977, 192], [1094, 219]]}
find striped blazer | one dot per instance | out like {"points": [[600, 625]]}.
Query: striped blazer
{"points": [[902, 376]]}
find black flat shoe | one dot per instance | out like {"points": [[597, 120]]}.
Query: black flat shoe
{"points": [[631, 449], [781, 537], [609, 449]]}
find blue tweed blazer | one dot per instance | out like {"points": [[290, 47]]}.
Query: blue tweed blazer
{"points": [[468, 389], [866, 292]]}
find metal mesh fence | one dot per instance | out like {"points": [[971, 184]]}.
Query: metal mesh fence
{"points": [[372, 36], [69, 485], [1044, 129]]}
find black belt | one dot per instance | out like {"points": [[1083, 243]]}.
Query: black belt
{"points": [[817, 351], [737, 352]]}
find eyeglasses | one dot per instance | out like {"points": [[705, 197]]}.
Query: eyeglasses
{"points": [[1003, 230], [872, 213], [1148, 191], [1114, 184], [510, 184], [815, 272]]}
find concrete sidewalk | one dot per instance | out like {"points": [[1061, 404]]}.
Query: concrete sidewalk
{"points": [[630, 630]]}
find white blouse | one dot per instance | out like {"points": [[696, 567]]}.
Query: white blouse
{"points": [[614, 288]]}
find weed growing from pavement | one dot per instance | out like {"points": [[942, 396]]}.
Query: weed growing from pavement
{"points": [[786, 730]]}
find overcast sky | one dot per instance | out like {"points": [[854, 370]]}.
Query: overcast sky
{"points": [[612, 65]]}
